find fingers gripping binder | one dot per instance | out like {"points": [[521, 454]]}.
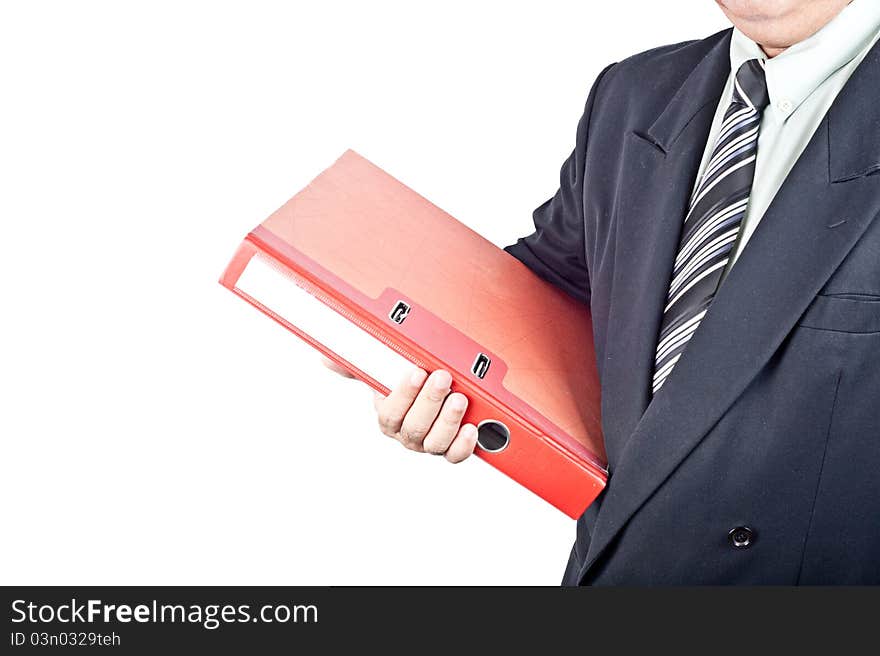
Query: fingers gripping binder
{"points": [[379, 279]]}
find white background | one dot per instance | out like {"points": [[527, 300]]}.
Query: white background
{"points": [[157, 430]]}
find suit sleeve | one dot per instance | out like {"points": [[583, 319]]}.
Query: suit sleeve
{"points": [[556, 250]]}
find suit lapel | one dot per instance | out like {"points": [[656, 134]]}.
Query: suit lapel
{"points": [[661, 163], [796, 247]]}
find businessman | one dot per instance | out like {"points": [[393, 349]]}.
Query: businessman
{"points": [[719, 214]]}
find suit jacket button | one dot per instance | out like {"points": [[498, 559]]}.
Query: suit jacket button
{"points": [[741, 537]]}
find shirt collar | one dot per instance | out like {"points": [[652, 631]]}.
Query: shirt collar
{"points": [[799, 70]]}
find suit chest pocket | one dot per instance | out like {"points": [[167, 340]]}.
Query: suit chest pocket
{"points": [[847, 313]]}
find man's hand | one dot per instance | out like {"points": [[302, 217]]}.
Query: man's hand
{"points": [[421, 414]]}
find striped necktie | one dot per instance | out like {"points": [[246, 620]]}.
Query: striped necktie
{"points": [[714, 216]]}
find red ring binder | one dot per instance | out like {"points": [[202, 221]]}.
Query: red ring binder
{"points": [[402, 283]]}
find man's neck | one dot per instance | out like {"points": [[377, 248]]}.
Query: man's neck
{"points": [[771, 52]]}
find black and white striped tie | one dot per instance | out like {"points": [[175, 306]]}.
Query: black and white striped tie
{"points": [[713, 220]]}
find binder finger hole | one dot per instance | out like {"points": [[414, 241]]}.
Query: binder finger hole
{"points": [[492, 436]]}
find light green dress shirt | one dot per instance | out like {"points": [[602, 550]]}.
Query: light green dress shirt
{"points": [[802, 82]]}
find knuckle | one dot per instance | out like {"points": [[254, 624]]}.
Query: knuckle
{"points": [[452, 418], [435, 395], [386, 424], [435, 447], [411, 446], [413, 433]]}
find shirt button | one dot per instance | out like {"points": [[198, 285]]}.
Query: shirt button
{"points": [[785, 106], [741, 537]]}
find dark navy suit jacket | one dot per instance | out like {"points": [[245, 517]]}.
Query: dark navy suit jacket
{"points": [[771, 419]]}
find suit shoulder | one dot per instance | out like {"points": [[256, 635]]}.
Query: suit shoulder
{"points": [[659, 69]]}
